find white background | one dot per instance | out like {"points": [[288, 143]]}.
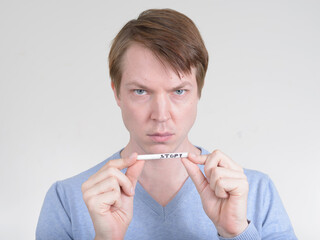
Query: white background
{"points": [[260, 103]]}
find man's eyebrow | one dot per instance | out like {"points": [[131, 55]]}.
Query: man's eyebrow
{"points": [[183, 85], [136, 85], [142, 86]]}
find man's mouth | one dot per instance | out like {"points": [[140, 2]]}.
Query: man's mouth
{"points": [[161, 137]]}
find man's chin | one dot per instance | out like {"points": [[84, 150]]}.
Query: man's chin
{"points": [[160, 148]]}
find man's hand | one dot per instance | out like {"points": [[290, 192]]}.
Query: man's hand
{"points": [[108, 195], [223, 191]]}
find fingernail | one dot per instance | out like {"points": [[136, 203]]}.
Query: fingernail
{"points": [[132, 190], [192, 155]]}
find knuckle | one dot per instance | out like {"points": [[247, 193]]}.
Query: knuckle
{"points": [[113, 181], [216, 174], [109, 163], [90, 203], [217, 152], [111, 171], [108, 173], [85, 196], [84, 187], [219, 182]]}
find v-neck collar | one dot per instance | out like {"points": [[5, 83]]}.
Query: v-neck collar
{"points": [[165, 211]]}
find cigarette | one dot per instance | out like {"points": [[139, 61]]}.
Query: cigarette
{"points": [[162, 156]]}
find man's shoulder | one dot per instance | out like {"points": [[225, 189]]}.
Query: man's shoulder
{"points": [[256, 175], [259, 182]]}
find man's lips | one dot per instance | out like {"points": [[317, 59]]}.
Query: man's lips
{"points": [[160, 137]]}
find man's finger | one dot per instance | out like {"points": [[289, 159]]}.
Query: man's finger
{"points": [[103, 182], [218, 158], [134, 171], [197, 159], [231, 186], [101, 203], [219, 173], [122, 163], [195, 174]]}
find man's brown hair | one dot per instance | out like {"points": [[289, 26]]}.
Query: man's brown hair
{"points": [[170, 35]]}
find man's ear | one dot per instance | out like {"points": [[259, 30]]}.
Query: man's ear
{"points": [[115, 93]]}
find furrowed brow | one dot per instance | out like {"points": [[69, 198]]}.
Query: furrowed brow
{"points": [[136, 85], [182, 85]]}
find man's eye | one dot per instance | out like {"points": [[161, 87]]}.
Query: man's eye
{"points": [[180, 91], [140, 92]]}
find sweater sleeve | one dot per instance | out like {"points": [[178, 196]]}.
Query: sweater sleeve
{"points": [[276, 223], [250, 233], [54, 220], [269, 218]]}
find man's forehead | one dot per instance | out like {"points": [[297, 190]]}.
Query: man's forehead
{"points": [[138, 57], [152, 78], [141, 68]]}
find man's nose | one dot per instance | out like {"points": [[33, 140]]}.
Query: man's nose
{"points": [[160, 108]]}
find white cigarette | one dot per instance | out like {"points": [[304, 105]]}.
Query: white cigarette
{"points": [[162, 156]]}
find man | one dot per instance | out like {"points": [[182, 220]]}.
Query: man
{"points": [[157, 67]]}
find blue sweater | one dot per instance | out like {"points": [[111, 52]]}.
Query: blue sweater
{"points": [[64, 214]]}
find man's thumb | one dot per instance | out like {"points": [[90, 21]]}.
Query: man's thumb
{"points": [[195, 174], [134, 171]]}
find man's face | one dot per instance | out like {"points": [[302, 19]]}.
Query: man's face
{"points": [[158, 107]]}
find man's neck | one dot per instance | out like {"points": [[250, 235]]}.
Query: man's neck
{"points": [[163, 179]]}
